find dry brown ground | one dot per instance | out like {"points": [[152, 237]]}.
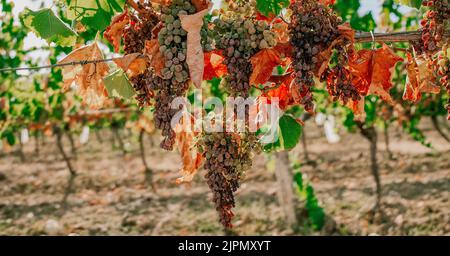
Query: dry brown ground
{"points": [[110, 196]]}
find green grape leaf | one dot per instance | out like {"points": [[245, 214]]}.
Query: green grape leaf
{"points": [[272, 8], [118, 85], [411, 3], [45, 24], [94, 14], [10, 138], [289, 134]]}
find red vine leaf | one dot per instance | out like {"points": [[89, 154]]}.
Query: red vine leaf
{"points": [[185, 140], [214, 66], [284, 49], [156, 58], [88, 78], [114, 32], [263, 64], [201, 5], [383, 64], [282, 93], [361, 68], [420, 79], [195, 56], [372, 71], [132, 64]]}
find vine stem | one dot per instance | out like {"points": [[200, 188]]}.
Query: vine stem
{"points": [[366, 37], [360, 37], [74, 63]]}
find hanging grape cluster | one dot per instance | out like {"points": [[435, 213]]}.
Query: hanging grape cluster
{"points": [[227, 160], [433, 25], [140, 28], [339, 78], [240, 36], [141, 85], [135, 34], [444, 73], [175, 74], [313, 28]]}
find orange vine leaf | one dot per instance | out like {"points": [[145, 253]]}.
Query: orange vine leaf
{"points": [[420, 79], [214, 66], [133, 64], [263, 64], [201, 5], [114, 32], [185, 141], [88, 78], [156, 58], [383, 64]]}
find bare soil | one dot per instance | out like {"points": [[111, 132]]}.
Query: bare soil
{"points": [[110, 194]]}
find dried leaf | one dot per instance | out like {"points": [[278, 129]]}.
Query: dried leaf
{"points": [[372, 71], [133, 64], [420, 79], [361, 68], [195, 56], [284, 49], [185, 141], [88, 78], [201, 5], [263, 64], [156, 58], [214, 66], [114, 32], [282, 93], [383, 64]]}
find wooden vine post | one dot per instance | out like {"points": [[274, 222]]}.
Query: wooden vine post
{"points": [[286, 193]]}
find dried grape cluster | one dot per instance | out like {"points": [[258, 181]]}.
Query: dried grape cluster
{"points": [[240, 37], [339, 78], [175, 74], [340, 85], [433, 25], [226, 162], [141, 85], [444, 73], [140, 28], [313, 28]]}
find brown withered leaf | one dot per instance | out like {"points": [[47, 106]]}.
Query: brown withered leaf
{"points": [[285, 49], [383, 64], [372, 71], [195, 56], [185, 141], [156, 58], [263, 64], [201, 5], [114, 32], [133, 64], [88, 78], [214, 66], [361, 68], [420, 78]]}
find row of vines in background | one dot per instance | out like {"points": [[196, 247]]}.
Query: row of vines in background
{"points": [[303, 52]]}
